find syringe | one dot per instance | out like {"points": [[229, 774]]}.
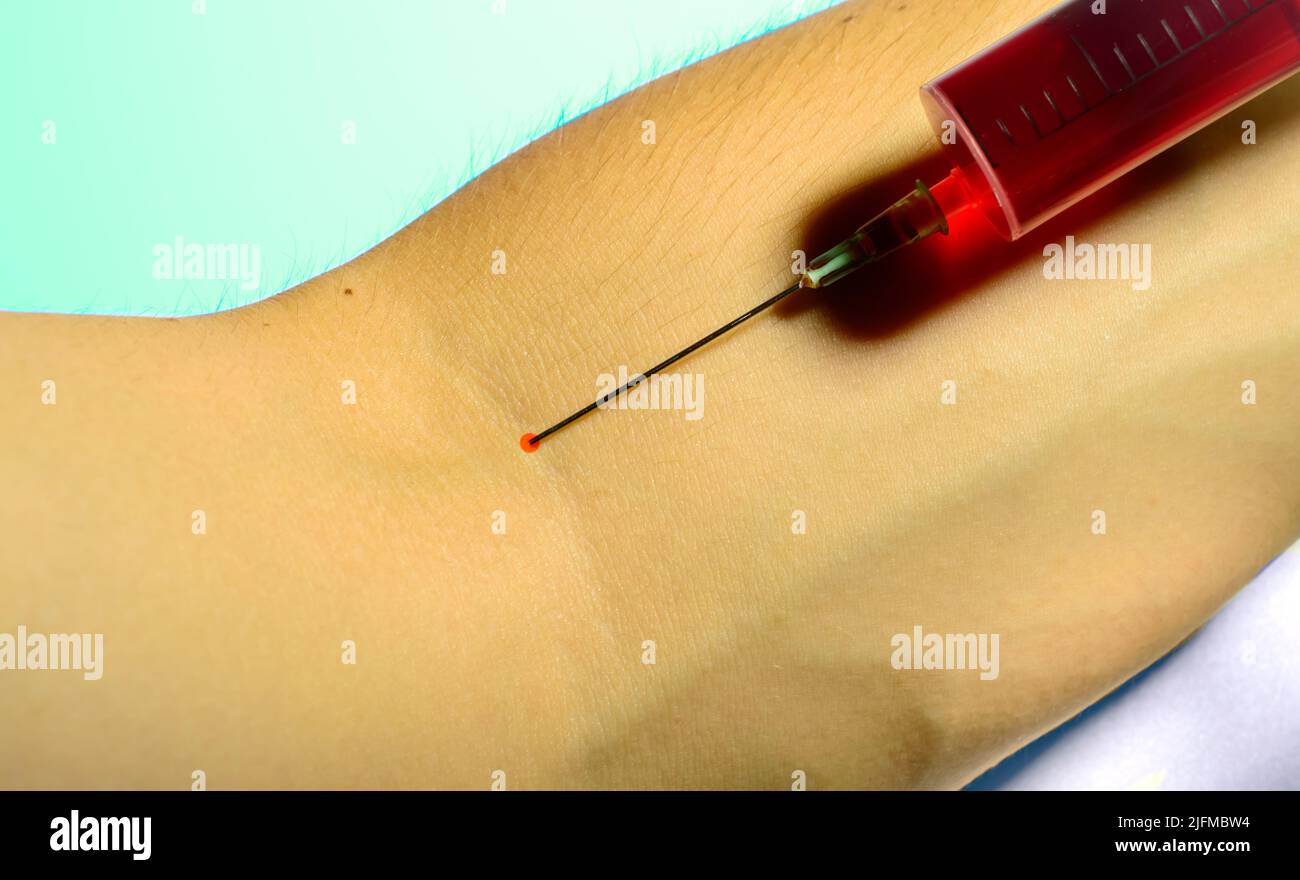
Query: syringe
{"points": [[1054, 112]]}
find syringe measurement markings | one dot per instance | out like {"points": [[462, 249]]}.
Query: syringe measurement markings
{"points": [[1177, 45], [1124, 61], [1078, 94], [1032, 124], [1093, 64], [1150, 54], [1180, 51], [1059, 114]]}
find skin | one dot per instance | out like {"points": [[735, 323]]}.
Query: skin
{"points": [[523, 651]]}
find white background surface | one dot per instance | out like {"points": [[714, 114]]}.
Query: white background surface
{"points": [[1220, 712]]}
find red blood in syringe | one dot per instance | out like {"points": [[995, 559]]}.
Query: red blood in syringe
{"points": [[1062, 107]]}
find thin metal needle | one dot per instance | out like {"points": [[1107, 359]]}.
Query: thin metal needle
{"points": [[637, 380]]}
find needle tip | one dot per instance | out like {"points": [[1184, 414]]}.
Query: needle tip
{"points": [[528, 443]]}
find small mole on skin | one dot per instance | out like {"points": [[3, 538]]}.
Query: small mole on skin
{"points": [[347, 291]]}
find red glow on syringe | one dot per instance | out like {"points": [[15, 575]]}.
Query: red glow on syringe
{"points": [[1054, 112]]}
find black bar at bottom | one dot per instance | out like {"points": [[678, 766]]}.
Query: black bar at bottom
{"points": [[634, 832]]}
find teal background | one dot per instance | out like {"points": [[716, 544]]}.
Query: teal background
{"points": [[227, 126]]}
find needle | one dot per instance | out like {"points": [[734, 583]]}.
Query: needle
{"points": [[530, 442], [910, 219]]}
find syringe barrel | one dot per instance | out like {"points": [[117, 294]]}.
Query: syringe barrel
{"points": [[1062, 107]]}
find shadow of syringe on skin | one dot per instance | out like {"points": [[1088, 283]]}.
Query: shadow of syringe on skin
{"points": [[909, 286]]}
